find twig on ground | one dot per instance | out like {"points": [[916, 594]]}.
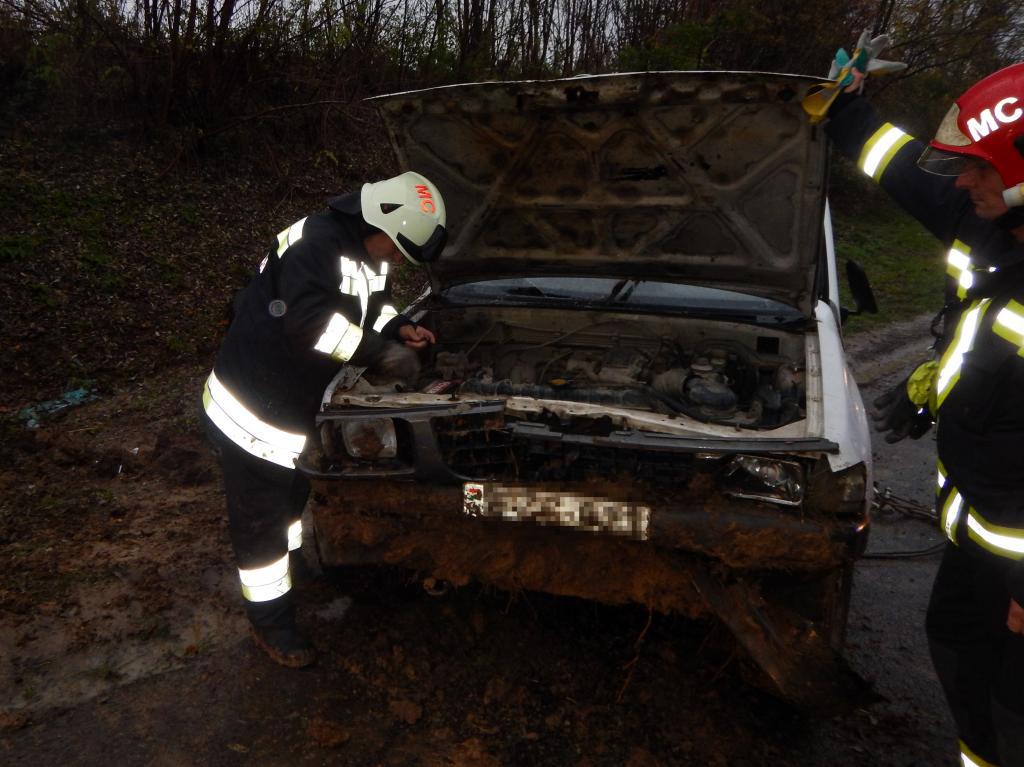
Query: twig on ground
{"points": [[631, 665], [723, 667]]}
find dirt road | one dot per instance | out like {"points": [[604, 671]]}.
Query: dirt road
{"points": [[123, 641]]}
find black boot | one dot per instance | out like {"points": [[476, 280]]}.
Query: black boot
{"points": [[272, 625], [301, 571]]}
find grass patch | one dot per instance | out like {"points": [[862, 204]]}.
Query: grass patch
{"points": [[83, 214], [407, 283], [18, 248], [20, 194], [43, 294], [188, 213], [179, 344], [23, 195]]}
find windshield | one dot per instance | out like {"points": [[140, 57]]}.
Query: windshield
{"points": [[634, 294]]}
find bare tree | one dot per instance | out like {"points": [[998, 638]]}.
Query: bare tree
{"points": [[211, 63]]}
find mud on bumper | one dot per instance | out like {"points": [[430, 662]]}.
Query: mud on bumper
{"points": [[782, 589], [615, 518]]}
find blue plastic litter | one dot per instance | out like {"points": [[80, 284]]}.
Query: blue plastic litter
{"points": [[32, 415]]}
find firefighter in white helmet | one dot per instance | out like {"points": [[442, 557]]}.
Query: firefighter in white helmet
{"points": [[967, 188], [321, 299]]}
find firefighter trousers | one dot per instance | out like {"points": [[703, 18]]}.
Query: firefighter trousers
{"points": [[978, 660], [264, 504]]}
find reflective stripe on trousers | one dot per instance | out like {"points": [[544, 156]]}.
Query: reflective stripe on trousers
{"points": [[246, 429], [261, 584], [295, 535]]}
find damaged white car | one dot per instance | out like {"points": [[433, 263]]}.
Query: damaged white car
{"points": [[639, 392]]}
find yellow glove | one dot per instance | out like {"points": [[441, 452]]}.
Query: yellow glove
{"points": [[921, 384]]}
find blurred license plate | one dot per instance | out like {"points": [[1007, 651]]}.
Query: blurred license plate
{"points": [[558, 509]]}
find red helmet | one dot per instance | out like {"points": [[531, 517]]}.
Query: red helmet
{"points": [[986, 122]]}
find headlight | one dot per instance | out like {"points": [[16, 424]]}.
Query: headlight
{"points": [[842, 493], [764, 479], [370, 439]]}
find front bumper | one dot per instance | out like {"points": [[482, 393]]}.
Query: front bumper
{"points": [[659, 491], [740, 535]]}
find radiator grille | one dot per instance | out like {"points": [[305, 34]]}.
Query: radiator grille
{"points": [[478, 446], [483, 448]]}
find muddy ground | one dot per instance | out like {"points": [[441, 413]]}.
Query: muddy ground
{"points": [[124, 643]]}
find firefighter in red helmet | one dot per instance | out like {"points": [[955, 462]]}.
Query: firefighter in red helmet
{"points": [[967, 188], [984, 131]]}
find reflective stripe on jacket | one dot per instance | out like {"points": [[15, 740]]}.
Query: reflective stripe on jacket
{"points": [[991, 329], [316, 302]]}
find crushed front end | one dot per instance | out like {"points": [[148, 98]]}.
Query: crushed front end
{"points": [[552, 496]]}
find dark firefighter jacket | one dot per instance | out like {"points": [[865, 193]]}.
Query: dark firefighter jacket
{"points": [[979, 394], [316, 303]]}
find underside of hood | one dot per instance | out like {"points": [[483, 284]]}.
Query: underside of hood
{"points": [[709, 178]]}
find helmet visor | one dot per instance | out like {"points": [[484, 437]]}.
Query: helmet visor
{"points": [[428, 251], [943, 163]]}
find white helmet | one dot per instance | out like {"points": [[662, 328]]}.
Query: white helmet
{"points": [[410, 210]]}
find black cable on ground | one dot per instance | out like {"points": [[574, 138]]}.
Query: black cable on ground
{"points": [[888, 502], [938, 547]]}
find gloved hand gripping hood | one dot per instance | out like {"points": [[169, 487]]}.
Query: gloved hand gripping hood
{"points": [[712, 178]]}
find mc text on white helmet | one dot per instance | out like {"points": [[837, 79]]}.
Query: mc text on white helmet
{"points": [[410, 210]]}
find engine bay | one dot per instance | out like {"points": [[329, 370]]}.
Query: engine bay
{"points": [[721, 373]]}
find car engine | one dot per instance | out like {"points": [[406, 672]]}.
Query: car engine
{"points": [[719, 380]]}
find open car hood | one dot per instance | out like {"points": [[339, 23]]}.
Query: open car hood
{"points": [[709, 178]]}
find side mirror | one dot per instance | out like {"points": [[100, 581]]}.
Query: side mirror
{"points": [[860, 289]]}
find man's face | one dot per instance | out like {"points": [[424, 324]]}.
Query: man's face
{"points": [[981, 181], [382, 248]]}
